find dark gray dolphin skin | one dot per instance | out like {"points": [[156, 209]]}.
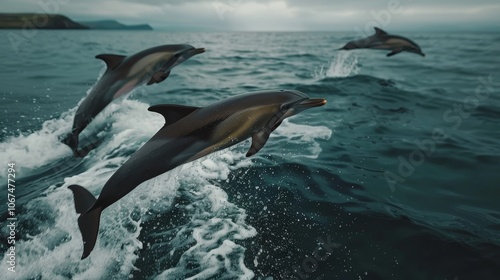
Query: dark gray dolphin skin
{"points": [[123, 74], [381, 40], [190, 133]]}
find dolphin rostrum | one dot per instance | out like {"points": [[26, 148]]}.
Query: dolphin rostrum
{"points": [[381, 40], [123, 74], [190, 133]]}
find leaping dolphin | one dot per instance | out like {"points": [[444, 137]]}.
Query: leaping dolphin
{"points": [[123, 74], [190, 133], [381, 40]]}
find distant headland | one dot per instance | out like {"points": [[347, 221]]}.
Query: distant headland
{"points": [[56, 21], [113, 24]]}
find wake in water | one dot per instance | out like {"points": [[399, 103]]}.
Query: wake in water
{"points": [[44, 146], [344, 64]]}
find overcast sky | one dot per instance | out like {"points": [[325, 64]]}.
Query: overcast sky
{"points": [[277, 15]]}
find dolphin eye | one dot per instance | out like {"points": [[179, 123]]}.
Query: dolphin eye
{"points": [[286, 106]]}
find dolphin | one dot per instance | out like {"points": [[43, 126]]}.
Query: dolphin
{"points": [[190, 133], [123, 74], [381, 40]]}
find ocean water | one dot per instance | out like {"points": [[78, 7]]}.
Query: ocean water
{"points": [[397, 177]]}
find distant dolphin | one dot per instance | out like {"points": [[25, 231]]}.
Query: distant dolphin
{"points": [[190, 133], [122, 75], [383, 41]]}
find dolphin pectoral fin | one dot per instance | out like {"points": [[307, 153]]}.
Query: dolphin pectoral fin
{"points": [[259, 139], [379, 31], [394, 52], [111, 60], [164, 76], [172, 113], [153, 79], [158, 77], [88, 222]]}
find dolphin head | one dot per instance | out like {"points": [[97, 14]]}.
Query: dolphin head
{"points": [[178, 49], [414, 48], [166, 57], [155, 64], [181, 54], [189, 52], [284, 103], [263, 112], [410, 46], [299, 103]]}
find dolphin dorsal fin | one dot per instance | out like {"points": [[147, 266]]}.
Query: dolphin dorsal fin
{"points": [[172, 113], [379, 31], [112, 60]]}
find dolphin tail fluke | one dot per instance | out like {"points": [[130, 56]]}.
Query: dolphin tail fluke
{"points": [[87, 149], [72, 141], [88, 222]]}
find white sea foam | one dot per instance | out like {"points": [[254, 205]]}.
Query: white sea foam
{"points": [[344, 64], [215, 225], [43, 146], [304, 135], [36, 149]]}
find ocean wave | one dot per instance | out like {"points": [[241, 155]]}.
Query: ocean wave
{"points": [[344, 64]]}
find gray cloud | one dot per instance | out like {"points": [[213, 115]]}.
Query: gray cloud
{"points": [[274, 14]]}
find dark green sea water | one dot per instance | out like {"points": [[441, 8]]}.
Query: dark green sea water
{"points": [[397, 177]]}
